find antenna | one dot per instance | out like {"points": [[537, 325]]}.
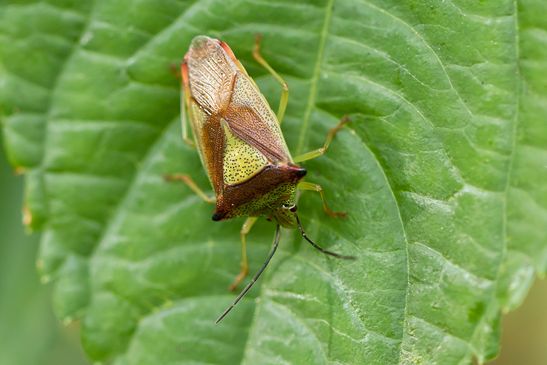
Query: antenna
{"points": [[326, 252], [255, 278]]}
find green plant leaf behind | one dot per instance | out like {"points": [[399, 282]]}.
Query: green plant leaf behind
{"points": [[440, 173]]}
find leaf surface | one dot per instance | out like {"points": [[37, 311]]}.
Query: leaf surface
{"points": [[440, 173]]}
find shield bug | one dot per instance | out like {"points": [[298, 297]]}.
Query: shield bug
{"points": [[241, 146]]}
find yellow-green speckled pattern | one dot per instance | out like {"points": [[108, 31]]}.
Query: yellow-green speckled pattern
{"points": [[283, 194], [241, 160]]}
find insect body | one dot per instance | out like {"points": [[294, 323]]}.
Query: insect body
{"points": [[241, 145]]}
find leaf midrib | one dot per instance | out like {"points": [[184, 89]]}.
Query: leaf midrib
{"points": [[315, 78], [311, 103]]}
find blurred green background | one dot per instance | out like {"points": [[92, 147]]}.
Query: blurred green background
{"points": [[31, 335], [29, 332]]}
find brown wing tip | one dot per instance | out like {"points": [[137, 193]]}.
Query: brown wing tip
{"points": [[300, 172], [297, 171], [218, 216]]}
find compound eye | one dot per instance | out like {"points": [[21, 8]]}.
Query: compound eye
{"points": [[290, 207]]}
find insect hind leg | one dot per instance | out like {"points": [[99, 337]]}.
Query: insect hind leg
{"points": [[284, 86]]}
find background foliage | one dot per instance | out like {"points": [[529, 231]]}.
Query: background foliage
{"points": [[441, 173], [29, 332]]}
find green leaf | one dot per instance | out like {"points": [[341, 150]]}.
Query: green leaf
{"points": [[441, 172]]}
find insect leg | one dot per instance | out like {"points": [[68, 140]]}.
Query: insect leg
{"points": [[304, 185], [255, 278], [285, 88], [191, 184], [321, 151], [184, 122], [245, 229]]}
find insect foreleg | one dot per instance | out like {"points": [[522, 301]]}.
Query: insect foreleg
{"points": [[304, 185], [245, 229]]}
